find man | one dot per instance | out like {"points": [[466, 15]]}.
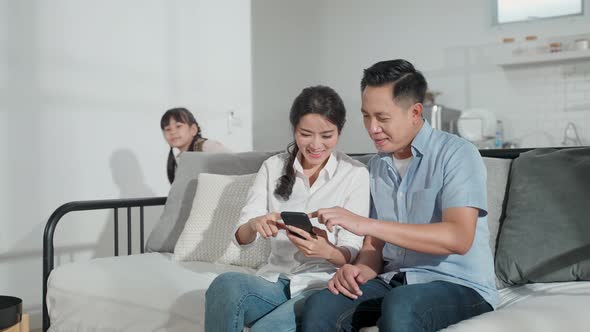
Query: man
{"points": [[425, 262]]}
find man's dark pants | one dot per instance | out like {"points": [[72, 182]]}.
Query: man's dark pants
{"points": [[394, 307]]}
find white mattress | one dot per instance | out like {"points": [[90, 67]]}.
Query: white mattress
{"points": [[151, 292], [148, 292], [560, 306]]}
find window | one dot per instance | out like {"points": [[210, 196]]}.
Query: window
{"points": [[508, 11]]}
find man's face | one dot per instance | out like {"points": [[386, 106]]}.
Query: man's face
{"points": [[391, 127]]}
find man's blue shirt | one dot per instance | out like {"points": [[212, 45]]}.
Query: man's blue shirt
{"points": [[446, 171]]}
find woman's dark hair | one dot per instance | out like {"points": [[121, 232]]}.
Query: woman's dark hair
{"points": [[179, 114], [409, 85], [320, 100]]}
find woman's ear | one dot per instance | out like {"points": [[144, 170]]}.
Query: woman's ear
{"points": [[194, 129]]}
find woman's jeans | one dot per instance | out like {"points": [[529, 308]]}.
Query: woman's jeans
{"points": [[235, 300], [394, 307]]}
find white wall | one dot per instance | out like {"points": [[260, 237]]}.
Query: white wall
{"points": [[452, 42], [285, 59], [82, 87]]}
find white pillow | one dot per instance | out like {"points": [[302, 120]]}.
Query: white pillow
{"points": [[207, 234]]}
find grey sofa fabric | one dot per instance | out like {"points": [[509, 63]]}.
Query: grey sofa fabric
{"points": [[546, 234], [363, 158], [177, 209], [497, 180], [179, 203]]}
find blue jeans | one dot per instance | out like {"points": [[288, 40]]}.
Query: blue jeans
{"points": [[394, 307], [234, 300]]}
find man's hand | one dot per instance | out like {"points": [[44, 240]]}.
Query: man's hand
{"points": [[348, 278], [266, 225], [342, 217], [310, 245]]}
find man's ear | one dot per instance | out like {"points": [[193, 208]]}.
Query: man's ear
{"points": [[417, 110]]}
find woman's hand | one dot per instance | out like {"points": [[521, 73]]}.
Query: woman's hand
{"points": [[312, 245], [266, 225]]}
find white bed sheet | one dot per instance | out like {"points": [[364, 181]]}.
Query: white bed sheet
{"points": [[548, 307], [147, 292], [152, 292]]}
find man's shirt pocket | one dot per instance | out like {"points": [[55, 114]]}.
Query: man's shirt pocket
{"points": [[421, 206]]}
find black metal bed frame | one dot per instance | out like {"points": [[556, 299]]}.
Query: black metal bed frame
{"points": [[115, 204]]}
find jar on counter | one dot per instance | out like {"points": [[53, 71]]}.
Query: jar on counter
{"points": [[555, 47], [499, 142]]}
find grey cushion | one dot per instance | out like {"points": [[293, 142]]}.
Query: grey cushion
{"points": [[497, 180], [179, 203], [546, 234], [497, 170], [363, 158]]}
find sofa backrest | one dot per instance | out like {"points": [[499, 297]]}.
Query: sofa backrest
{"points": [[498, 171], [182, 192], [179, 203]]}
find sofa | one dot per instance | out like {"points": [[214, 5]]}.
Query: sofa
{"points": [[538, 232]]}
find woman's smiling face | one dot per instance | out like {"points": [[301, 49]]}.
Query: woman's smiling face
{"points": [[316, 137]]}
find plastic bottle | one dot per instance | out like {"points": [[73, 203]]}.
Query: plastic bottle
{"points": [[499, 134]]}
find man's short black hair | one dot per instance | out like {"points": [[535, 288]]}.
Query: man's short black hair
{"points": [[409, 85]]}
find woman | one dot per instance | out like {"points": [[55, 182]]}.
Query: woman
{"points": [[310, 176]]}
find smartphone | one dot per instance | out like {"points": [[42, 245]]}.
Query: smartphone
{"points": [[297, 219]]}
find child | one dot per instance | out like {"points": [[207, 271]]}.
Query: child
{"points": [[183, 133]]}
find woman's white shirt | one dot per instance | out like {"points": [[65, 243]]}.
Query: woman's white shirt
{"points": [[342, 182]]}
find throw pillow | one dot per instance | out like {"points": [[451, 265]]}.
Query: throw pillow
{"points": [[208, 232], [544, 237], [182, 192]]}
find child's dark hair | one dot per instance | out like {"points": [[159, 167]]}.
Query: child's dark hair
{"points": [[409, 85], [320, 100], [179, 114]]}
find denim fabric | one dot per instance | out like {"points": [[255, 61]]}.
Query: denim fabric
{"points": [[394, 307], [235, 300]]}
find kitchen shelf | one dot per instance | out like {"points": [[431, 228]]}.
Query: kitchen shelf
{"points": [[525, 59]]}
